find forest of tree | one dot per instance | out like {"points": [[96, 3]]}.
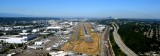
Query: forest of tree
{"points": [[133, 34]]}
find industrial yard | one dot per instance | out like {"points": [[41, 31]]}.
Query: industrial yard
{"points": [[55, 38]]}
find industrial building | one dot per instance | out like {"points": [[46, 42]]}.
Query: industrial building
{"points": [[54, 28], [17, 39], [29, 37], [12, 39]]}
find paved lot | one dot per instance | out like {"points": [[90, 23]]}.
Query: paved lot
{"points": [[31, 52]]}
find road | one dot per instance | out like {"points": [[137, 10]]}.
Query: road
{"points": [[106, 48], [120, 43]]}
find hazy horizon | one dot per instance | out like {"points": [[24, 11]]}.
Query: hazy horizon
{"points": [[82, 8]]}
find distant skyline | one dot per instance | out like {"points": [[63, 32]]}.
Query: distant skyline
{"points": [[82, 8]]}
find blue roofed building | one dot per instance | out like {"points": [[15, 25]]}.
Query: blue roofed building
{"points": [[30, 37]]}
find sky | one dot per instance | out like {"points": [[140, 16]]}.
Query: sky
{"points": [[83, 8]]}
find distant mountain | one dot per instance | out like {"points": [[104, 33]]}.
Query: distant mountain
{"points": [[13, 15]]}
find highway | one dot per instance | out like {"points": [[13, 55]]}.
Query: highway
{"points": [[106, 48], [120, 43]]}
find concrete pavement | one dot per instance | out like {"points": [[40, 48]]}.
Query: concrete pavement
{"points": [[106, 48]]}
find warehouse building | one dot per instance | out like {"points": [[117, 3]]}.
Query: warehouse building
{"points": [[29, 37], [12, 39]]}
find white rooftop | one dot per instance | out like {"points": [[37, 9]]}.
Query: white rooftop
{"points": [[13, 40], [38, 43], [54, 27], [59, 53]]}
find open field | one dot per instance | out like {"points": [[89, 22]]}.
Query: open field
{"points": [[80, 45]]}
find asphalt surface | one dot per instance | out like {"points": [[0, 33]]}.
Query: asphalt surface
{"points": [[76, 30], [106, 48], [120, 43]]}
